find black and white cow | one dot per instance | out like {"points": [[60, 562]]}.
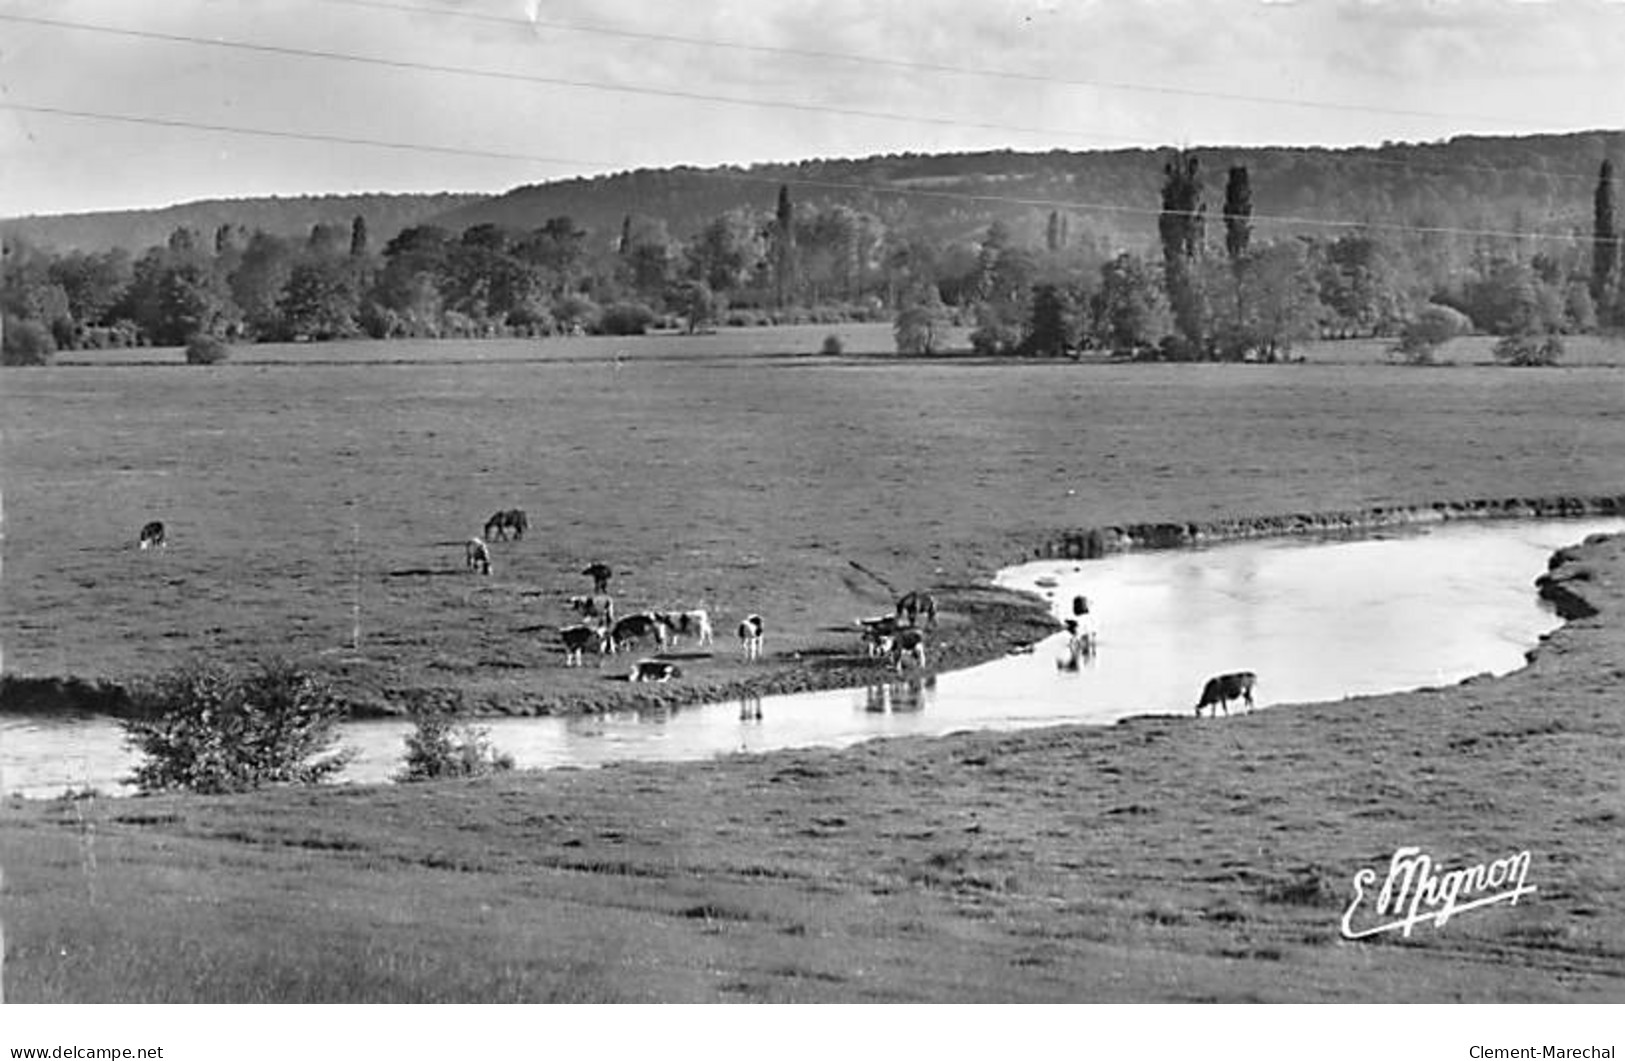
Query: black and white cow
{"points": [[597, 606], [577, 639], [878, 632], [695, 623], [1225, 688], [153, 535], [750, 636], [654, 670], [917, 603], [632, 629], [908, 642], [477, 556], [599, 573]]}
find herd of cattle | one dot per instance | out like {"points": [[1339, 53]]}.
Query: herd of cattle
{"points": [[898, 636]]}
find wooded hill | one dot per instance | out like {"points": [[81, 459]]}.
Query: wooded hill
{"points": [[1108, 198], [136, 230], [1111, 198]]}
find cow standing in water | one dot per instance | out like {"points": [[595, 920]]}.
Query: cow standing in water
{"points": [[750, 636], [477, 556], [153, 535], [1225, 688]]}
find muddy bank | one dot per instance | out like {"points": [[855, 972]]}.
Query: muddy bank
{"points": [[1094, 542]]}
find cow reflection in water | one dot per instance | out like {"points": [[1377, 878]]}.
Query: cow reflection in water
{"points": [[1080, 647], [750, 708], [899, 698]]}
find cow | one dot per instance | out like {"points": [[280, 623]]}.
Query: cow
{"points": [[750, 636], [916, 603], [594, 607], [500, 523], [152, 534], [634, 628], [878, 632], [1225, 688], [750, 707], [654, 670], [577, 639], [477, 556], [599, 573], [695, 623], [909, 642]]}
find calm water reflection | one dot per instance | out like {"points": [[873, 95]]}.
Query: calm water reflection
{"points": [[1317, 621]]}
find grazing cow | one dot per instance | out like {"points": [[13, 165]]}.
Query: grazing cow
{"points": [[916, 603], [153, 535], [577, 639], [635, 628], [477, 556], [500, 523], [695, 623], [1225, 688], [654, 670], [599, 573], [910, 642], [750, 636], [594, 607]]}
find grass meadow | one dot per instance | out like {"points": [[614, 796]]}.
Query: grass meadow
{"points": [[1154, 860]]}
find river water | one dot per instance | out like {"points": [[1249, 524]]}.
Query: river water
{"points": [[1317, 620]]}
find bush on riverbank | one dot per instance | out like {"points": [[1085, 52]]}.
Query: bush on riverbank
{"points": [[440, 746], [204, 727]]}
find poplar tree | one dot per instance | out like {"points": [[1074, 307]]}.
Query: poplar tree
{"points": [[1605, 241], [784, 247], [1238, 213], [1180, 226]]}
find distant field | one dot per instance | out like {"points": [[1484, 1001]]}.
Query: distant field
{"points": [[787, 340], [797, 340], [299, 496]]}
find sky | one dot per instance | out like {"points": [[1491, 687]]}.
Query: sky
{"points": [[124, 104]]}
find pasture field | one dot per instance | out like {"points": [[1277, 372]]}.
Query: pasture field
{"points": [[1153, 860], [316, 508]]}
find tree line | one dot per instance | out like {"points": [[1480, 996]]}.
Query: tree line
{"points": [[1195, 294]]}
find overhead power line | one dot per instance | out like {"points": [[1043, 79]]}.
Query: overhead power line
{"points": [[540, 79], [740, 177], [916, 65], [792, 105]]}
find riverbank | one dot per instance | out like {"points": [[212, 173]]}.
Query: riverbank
{"points": [[977, 623], [1161, 859]]}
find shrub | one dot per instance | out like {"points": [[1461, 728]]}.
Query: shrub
{"points": [[995, 338], [1432, 327], [626, 318], [206, 350], [26, 342], [1540, 351], [833, 347], [205, 727], [440, 746]]}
